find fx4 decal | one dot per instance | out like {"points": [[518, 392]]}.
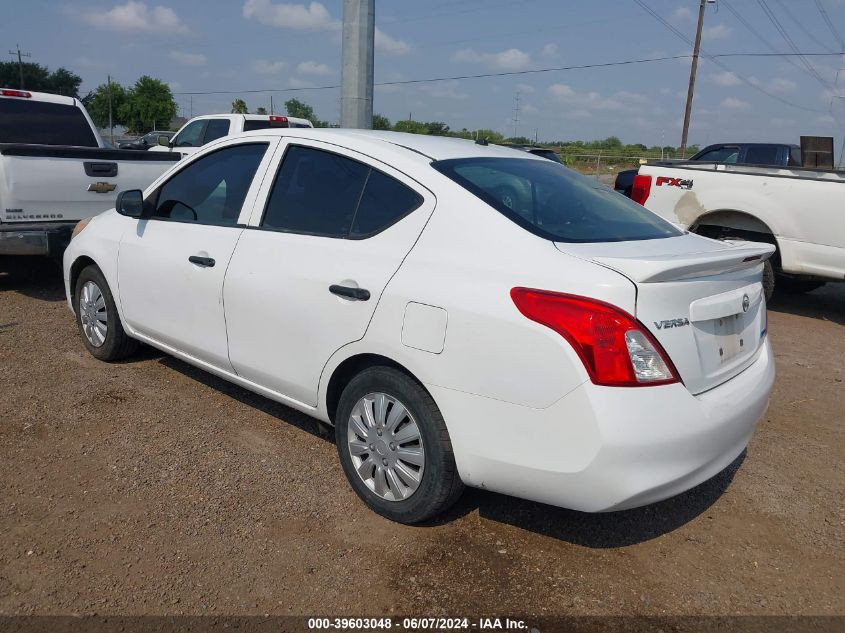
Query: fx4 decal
{"points": [[674, 182]]}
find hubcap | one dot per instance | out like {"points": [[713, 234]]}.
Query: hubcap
{"points": [[93, 314], [386, 446]]}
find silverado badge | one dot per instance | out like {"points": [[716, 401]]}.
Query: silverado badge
{"points": [[101, 187]]}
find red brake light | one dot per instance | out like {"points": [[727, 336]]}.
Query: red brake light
{"points": [[615, 348], [278, 119], [15, 93], [641, 189]]}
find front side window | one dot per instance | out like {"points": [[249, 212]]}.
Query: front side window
{"points": [[321, 193], [191, 136], [216, 128], [212, 189], [554, 202]]}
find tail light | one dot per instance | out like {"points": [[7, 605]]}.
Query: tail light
{"points": [[280, 120], [16, 93], [641, 189], [615, 348]]}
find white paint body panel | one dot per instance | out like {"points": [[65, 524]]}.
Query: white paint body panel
{"points": [[522, 413], [803, 209]]}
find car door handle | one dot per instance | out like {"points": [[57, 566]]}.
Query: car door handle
{"points": [[206, 262], [351, 293]]}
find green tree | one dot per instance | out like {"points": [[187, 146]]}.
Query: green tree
{"points": [[97, 104], [39, 78], [381, 122], [149, 105], [261, 110], [492, 136], [239, 107], [437, 128], [413, 127], [302, 110]]}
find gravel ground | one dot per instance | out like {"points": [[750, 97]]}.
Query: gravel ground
{"points": [[149, 487]]}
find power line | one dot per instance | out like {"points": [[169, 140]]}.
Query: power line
{"points": [[774, 20], [20, 61], [712, 58], [627, 62], [832, 28], [809, 33]]}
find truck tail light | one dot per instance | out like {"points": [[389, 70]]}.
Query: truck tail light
{"points": [[278, 121], [615, 348], [15, 93], [641, 189]]}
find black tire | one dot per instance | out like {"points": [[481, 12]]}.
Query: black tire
{"points": [[798, 286], [440, 485], [768, 270], [117, 344]]}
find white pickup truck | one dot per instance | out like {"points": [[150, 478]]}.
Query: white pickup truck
{"points": [[800, 211], [204, 129], [56, 170]]}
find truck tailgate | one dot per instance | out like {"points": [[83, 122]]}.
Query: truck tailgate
{"points": [[50, 183]]}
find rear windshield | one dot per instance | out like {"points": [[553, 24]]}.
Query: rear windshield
{"points": [[554, 202], [546, 153], [37, 122], [258, 124]]}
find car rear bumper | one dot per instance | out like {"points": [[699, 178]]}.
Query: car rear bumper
{"points": [[29, 239], [606, 448]]}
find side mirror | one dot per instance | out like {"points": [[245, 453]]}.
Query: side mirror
{"points": [[164, 140], [130, 203]]}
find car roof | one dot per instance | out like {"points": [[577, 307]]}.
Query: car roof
{"points": [[430, 147]]}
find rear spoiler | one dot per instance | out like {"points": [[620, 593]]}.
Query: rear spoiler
{"points": [[689, 266]]}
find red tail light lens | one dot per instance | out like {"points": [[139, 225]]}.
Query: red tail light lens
{"points": [[615, 348], [278, 119], [641, 189], [16, 93]]}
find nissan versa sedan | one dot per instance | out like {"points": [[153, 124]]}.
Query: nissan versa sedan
{"points": [[462, 314]]}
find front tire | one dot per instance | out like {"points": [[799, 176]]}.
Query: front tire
{"points": [[394, 446], [97, 318]]}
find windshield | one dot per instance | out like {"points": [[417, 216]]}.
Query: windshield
{"points": [[554, 202]]}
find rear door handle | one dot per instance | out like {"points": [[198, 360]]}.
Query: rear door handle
{"points": [[206, 262], [351, 293]]}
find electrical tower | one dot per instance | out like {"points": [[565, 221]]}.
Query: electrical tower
{"points": [[515, 112]]}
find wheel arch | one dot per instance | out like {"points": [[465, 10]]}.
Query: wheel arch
{"points": [[351, 366], [723, 223], [78, 265]]}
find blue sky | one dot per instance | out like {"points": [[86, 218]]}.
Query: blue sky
{"points": [[245, 45]]}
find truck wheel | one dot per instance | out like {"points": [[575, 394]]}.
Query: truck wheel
{"points": [[768, 270], [97, 318], [394, 446], [798, 286]]}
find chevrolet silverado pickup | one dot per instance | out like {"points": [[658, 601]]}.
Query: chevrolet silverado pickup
{"points": [[800, 211], [56, 170]]}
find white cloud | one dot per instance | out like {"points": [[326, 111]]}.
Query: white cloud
{"points": [[188, 59], [732, 103], [783, 86], [681, 14], [387, 44], [265, 67], [526, 88], [590, 101], [311, 17], [529, 108], [137, 16], [313, 68], [444, 90], [296, 82], [511, 59], [717, 32], [549, 50], [726, 79]]}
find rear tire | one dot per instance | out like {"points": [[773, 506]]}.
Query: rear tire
{"points": [[400, 460], [97, 318], [768, 270]]}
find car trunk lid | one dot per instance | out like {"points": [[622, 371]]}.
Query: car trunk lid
{"points": [[701, 299]]}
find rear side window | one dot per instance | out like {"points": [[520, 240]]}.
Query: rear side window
{"points": [[554, 202], [216, 128], [37, 122], [321, 193], [762, 155], [212, 189]]}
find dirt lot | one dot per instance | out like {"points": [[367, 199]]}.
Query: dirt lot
{"points": [[149, 487]]}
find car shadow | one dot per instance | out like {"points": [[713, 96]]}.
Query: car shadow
{"points": [[279, 411], [827, 303], [36, 277], [602, 530]]}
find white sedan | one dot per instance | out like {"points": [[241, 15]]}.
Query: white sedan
{"points": [[463, 314]]}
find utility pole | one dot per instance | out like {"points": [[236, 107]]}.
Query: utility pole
{"points": [[692, 72], [111, 121], [271, 105], [20, 61], [515, 112], [356, 92]]}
